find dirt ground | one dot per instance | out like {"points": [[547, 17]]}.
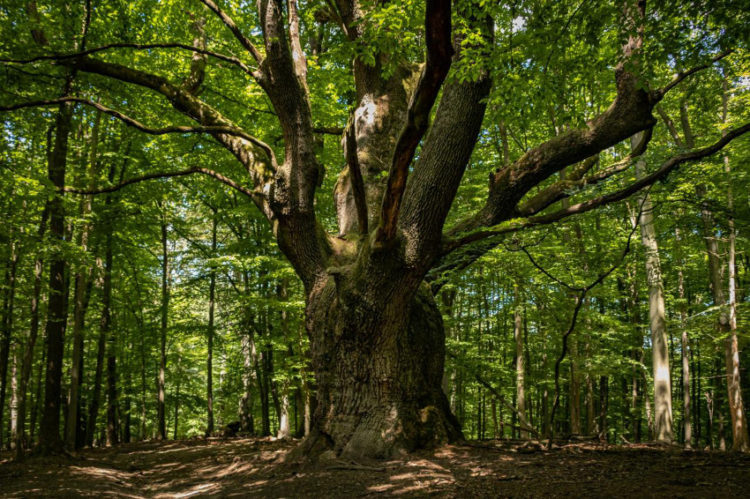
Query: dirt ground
{"points": [[256, 468]]}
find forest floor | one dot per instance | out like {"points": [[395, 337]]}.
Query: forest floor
{"points": [[255, 468]]}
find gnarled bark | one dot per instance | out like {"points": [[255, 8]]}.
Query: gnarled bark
{"points": [[378, 370]]}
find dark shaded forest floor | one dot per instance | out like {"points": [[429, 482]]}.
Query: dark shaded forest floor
{"points": [[255, 468]]}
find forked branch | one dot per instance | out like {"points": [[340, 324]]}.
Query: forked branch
{"points": [[588, 205]]}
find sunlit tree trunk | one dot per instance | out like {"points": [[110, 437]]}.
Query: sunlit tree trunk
{"points": [[520, 367], [740, 438], [246, 400], [687, 427], [657, 316]]}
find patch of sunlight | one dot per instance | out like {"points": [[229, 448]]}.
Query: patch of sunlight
{"points": [[101, 472], [198, 489], [381, 488], [404, 476]]}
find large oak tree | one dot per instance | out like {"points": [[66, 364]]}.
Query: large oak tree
{"points": [[376, 334]]}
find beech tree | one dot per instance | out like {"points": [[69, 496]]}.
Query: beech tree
{"points": [[417, 108]]}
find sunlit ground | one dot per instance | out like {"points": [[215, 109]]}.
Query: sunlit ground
{"points": [[256, 468]]}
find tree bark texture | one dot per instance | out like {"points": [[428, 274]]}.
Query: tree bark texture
{"points": [[657, 319], [49, 433]]}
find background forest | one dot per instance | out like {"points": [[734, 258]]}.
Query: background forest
{"points": [[184, 319]]}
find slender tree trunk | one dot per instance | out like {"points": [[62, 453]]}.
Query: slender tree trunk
{"points": [[603, 407], [740, 438], [49, 434], [520, 368], [718, 405], [176, 408], [14, 399], [657, 316], [285, 430], [28, 354], [142, 430], [686, 422], [112, 397], [160, 412], [246, 400], [7, 327], [104, 326], [38, 396], [80, 299], [127, 392], [210, 356]]}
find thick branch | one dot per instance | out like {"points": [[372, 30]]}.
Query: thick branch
{"points": [[244, 41], [588, 205], [629, 113], [578, 178], [439, 52], [187, 104]]}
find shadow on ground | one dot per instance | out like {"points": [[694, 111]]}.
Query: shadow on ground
{"points": [[255, 468]]}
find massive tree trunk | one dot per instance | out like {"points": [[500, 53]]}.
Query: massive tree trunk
{"points": [[378, 366]]}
